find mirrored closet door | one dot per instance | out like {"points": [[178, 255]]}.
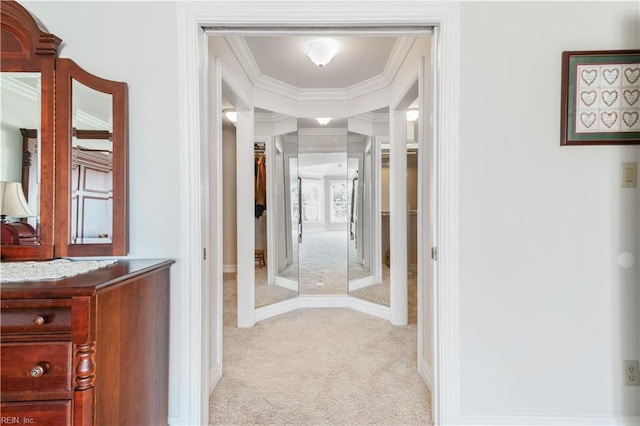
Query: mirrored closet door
{"points": [[276, 216], [323, 206]]}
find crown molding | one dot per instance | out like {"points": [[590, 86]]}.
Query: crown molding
{"points": [[15, 85], [91, 122], [322, 131], [270, 117], [242, 52]]}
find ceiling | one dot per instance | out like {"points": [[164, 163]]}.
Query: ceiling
{"points": [[279, 63], [282, 58]]}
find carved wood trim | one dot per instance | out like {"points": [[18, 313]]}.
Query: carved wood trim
{"points": [[22, 37], [85, 366], [92, 134], [27, 134], [25, 47]]}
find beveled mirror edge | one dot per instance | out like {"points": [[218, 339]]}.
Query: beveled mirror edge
{"points": [[66, 70]]}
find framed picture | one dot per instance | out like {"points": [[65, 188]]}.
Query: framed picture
{"points": [[600, 98]]}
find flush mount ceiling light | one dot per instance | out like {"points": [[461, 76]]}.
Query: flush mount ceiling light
{"points": [[412, 114], [323, 120], [231, 114], [321, 51]]}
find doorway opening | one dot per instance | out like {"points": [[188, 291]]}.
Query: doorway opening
{"points": [[194, 302]]}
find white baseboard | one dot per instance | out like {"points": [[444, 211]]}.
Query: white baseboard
{"points": [[229, 269], [426, 372], [324, 301], [361, 283], [214, 377], [370, 308], [286, 283], [270, 311], [526, 420]]}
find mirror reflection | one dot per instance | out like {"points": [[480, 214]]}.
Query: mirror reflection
{"points": [[369, 239], [20, 116], [276, 210], [91, 166], [324, 191]]}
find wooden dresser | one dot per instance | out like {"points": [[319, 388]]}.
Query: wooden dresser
{"points": [[92, 349]]}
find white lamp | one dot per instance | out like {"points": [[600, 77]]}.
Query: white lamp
{"points": [[12, 201], [321, 51], [231, 114], [323, 120]]}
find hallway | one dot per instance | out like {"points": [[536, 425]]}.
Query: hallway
{"points": [[318, 366]]}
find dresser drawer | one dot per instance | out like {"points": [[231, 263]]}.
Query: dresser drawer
{"points": [[45, 413], [29, 370], [35, 316]]}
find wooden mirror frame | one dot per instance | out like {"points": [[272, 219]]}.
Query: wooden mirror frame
{"points": [[27, 48], [66, 72]]}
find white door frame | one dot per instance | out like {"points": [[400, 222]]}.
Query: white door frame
{"points": [[190, 395]]}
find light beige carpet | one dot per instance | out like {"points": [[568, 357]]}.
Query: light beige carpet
{"points": [[318, 367]]}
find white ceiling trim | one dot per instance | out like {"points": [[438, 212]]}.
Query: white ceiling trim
{"points": [[241, 50], [20, 88]]}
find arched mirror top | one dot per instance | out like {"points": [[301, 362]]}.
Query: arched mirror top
{"points": [[91, 190], [22, 36], [47, 149], [27, 63]]}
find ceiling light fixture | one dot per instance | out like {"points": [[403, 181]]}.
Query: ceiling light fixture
{"points": [[323, 120], [412, 114], [231, 114], [321, 51]]}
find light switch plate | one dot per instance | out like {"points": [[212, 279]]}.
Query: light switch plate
{"points": [[628, 175]]}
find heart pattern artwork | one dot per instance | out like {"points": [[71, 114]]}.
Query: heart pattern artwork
{"points": [[609, 118], [588, 118], [607, 98], [631, 96], [589, 97], [630, 118], [632, 75], [589, 76], [610, 75]]}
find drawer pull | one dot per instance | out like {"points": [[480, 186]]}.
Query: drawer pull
{"points": [[39, 320], [39, 369]]}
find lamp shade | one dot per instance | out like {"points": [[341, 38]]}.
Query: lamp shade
{"points": [[321, 51], [12, 200]]}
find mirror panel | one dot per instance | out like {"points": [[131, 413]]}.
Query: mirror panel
{"points": [[275, 227], [324, 206], [91, 152], [20, 150], [27, 63], [91, 166], [369, 236]]}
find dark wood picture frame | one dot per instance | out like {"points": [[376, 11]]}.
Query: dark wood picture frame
{"points": [[600, 103]]}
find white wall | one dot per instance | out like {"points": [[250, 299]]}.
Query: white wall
{"points": [[136, 42], [542, 310], [542, 322]]}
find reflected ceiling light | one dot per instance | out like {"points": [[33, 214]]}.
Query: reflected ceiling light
{"points": [[231, 114], [412, 114], [323, 120], [321, 51]]}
